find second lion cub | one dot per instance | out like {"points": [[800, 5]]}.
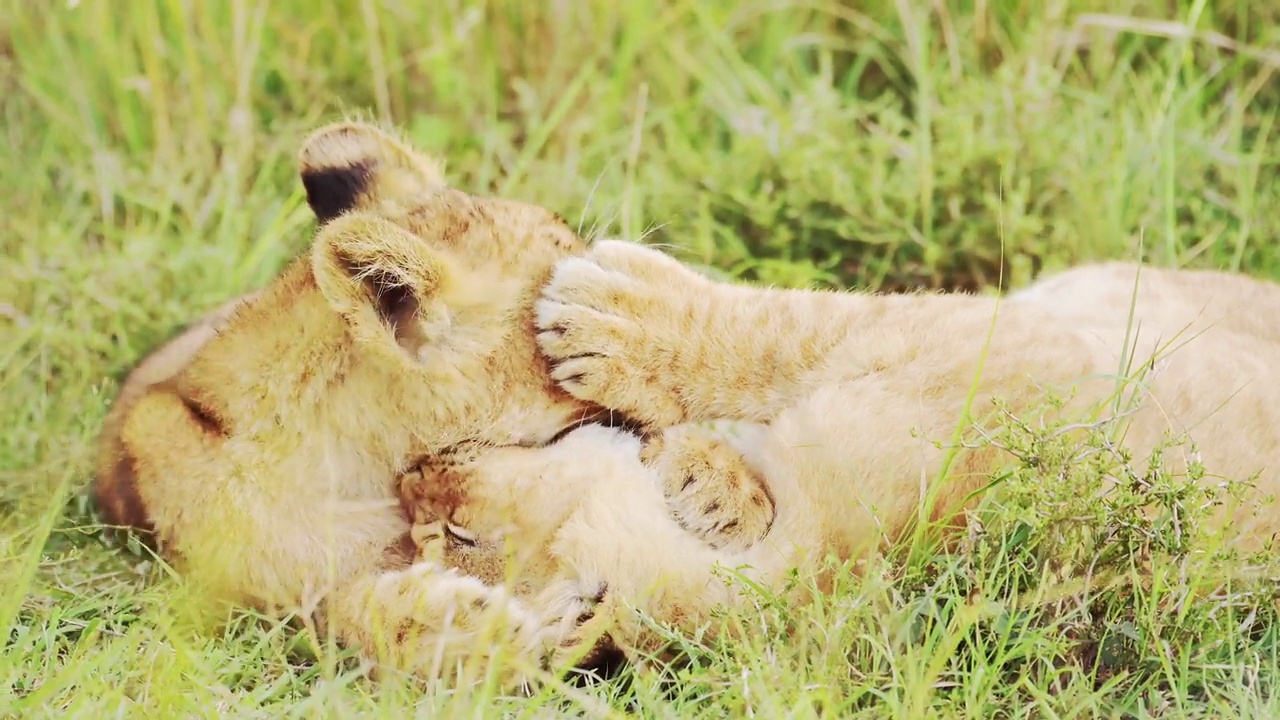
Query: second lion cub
{"points": [[848, 401]]}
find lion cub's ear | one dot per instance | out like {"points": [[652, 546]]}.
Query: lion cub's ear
{"points": [[385, 281], [353, 166]]}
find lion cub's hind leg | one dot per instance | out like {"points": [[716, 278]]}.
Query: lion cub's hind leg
{"points": [[709, 486]]}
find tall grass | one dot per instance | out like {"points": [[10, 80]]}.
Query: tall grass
{"points": [[148, 174]]}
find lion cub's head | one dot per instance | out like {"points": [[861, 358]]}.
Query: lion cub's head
{"points": [[404, 329]]}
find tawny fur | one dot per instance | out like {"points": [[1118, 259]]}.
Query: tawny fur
{"points": [[115, 491], [263, 446], [839, 400]]}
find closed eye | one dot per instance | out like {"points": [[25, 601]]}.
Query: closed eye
{"points": [[204, 418], [459, 534]]}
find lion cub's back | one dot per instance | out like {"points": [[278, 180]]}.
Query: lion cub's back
{"points": [[1216, 347], [1168, 304]]}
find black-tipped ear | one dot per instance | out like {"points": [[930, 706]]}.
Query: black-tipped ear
{"points": [[332, 191], [350, 166]]}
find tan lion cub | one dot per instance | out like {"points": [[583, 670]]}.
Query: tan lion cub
{"points": [[262, 446], [841, 397]]}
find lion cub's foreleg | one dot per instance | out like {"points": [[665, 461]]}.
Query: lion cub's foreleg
{"points": [[634, 330]]}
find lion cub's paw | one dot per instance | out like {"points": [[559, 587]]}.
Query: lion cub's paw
{"points": [[445, 624], [580, 619], [711, 490], [435, 487], [599, 320]]}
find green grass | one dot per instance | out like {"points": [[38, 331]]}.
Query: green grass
{"points": [[147, 174]]}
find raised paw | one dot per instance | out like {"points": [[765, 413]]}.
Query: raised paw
{"points": [[608, 324], [711, 490]]}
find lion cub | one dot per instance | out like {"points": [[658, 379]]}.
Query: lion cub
{"points": [[840, 398], [261, 448]]}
